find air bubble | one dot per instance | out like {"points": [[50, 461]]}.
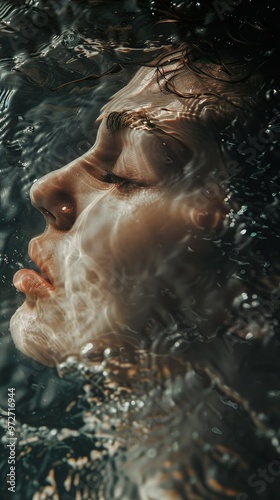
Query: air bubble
{"points": [[152, 453]]}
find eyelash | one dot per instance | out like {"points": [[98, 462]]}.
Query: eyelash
{"points": [[111, 178]]}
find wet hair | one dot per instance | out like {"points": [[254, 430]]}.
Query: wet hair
{"points": [[244, 36]]}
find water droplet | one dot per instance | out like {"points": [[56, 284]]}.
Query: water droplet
{"points": [[175, 446], [86, 348], [249, 336], [107, 352], [152, 453], [216, 430]]}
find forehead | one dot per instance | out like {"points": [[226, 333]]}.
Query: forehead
{"points": [[146, 91], [194, 96]]}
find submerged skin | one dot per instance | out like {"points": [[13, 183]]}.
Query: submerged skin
{"points": [[112, 243]]}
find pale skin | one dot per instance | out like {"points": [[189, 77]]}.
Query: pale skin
{"points": [[113, 222]]}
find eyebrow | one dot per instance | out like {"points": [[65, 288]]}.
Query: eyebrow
{"points": [[118, 120]]}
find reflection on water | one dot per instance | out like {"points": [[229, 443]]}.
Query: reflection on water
{"points": [[193, 415]]}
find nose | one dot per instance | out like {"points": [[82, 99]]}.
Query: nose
{"points": [[55, 200]]}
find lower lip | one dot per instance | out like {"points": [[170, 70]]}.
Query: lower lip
{"points": [[31, 283]]}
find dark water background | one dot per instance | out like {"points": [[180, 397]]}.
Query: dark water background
{"points": [[229, 420]]}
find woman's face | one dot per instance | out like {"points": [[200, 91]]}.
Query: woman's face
{"points": [[114, 219]]}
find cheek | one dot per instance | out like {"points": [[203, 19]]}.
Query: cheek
{"points": [[141, 240], [134, 232], [125, 230]]}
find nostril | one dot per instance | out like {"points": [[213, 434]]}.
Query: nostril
{"points": [[62, 217], [48, 215], [57, 205], [65, 215]]}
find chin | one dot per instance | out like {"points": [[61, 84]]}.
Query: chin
{"points": [[32, 337], [48, 330]]}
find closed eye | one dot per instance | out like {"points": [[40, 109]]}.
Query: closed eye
{"points": [[111, 178]]}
